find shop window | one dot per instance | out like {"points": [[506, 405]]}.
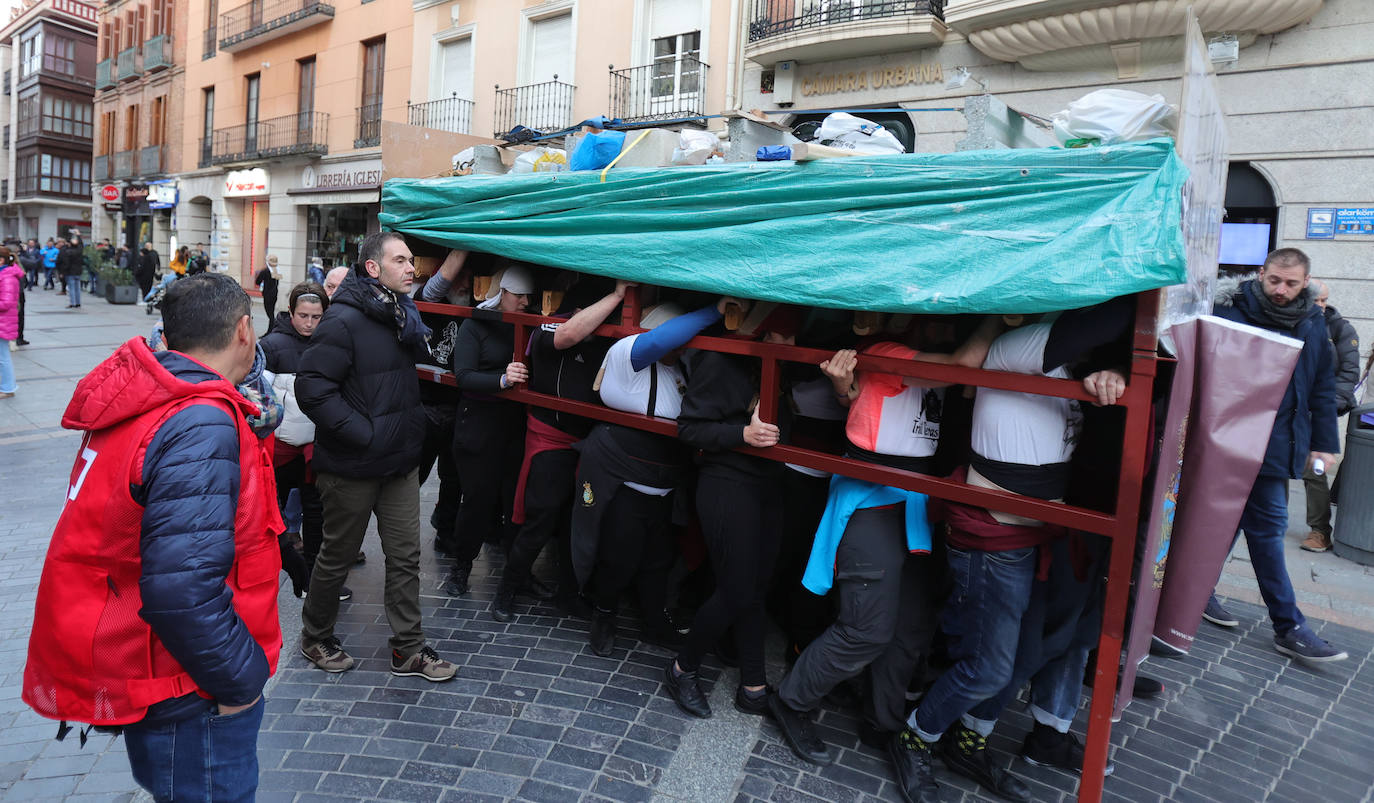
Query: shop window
{"points": [[335, 231]]}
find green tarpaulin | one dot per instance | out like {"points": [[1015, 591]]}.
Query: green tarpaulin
{"points": [[978, 231]]}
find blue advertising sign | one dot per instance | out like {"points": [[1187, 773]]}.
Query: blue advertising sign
{"points": [[1321, 224], [1358, 220]]}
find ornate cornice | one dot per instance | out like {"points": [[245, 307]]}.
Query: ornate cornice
{"points": [[1032, 39]]}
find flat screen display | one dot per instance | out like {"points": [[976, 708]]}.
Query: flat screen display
{"points": [[1244, 243]]}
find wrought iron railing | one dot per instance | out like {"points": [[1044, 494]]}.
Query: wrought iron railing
{"points": [[206, 150], [130, 63], [104, 76], [369, 126], [542, 107], [150, 160], [453, 114], [264, 16], [305, 133], [667, 89], [210, 43], [100, 170], [773, 17], [125, 164], [157, 53]]}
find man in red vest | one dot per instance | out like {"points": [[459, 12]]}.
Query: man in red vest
{"points": [[157, 608]]}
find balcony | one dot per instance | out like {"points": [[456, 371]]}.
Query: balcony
{"points": [[125, 165], [264, 20], [452, 114], [104, 79], [130, 64], [1064, 35], [826, 30], [150, 161], [100, 171], [157, 53], [369, 126], [292, 135], [665, 90], [543, 107]]}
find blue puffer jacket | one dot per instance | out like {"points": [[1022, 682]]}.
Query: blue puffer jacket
{"points": [[1306, 420]]}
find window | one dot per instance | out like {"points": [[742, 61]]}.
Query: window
{"points": [[30, 54], [63, 176], [207, 123], [250, 134], [211, 21], [160, 18], [374, 65], [59, 55], [305, 87], [108, 121], [550, 53], [131, 127], [106, 30], [28, 112], [157, 133], [677, 65], [455, 69], [67, 117]]}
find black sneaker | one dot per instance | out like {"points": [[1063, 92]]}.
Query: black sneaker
{"points": [[1218, 615], [457, 583], [965, 752], [1303, 644], [910, 756], [750, 702], [537, 589], [1047, 747], [503, 603], [686, 691], [800, 735], [602, 634], [1163, 649]]}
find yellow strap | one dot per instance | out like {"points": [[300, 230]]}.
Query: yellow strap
{"points": [[642, 135]]}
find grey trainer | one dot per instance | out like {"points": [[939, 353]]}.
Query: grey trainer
{"points": [[424, 664], [327, 655]]}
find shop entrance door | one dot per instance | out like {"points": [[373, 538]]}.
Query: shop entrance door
{"points": [[255, 245]]}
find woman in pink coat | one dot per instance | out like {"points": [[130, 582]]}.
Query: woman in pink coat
{"points": [[10, 277]]}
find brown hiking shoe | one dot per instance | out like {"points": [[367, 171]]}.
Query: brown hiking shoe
{"points": [[327, 655], [424, 664], [1316, 542]]}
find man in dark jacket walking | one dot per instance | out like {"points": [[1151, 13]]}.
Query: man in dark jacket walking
{"points": [[145, 269], [1304, 432], [71, 263], [357, 382], [1347, 345], [179, 569]]}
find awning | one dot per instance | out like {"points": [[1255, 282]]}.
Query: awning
{"points": [[1006, 231]]}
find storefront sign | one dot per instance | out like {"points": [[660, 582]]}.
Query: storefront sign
{"points": [[135, 199], [881, 78], [344, 176], [109, 193], [1355, 221], [162, 195], [241, 183], [1321, 224]]}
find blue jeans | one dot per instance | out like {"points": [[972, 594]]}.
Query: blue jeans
{"points": [[167, 278], [1264, 522], [7, 382], [74, 290], [206, 757], [982, 620]]}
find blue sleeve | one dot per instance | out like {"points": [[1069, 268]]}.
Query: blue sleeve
{"points": [[653, 345], [189, 494]]}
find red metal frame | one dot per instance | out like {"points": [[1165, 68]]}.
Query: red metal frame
{"points": [[1120, 526]]}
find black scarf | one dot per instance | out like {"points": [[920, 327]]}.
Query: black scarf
{"points": [[410, 330], [1286, 317]]}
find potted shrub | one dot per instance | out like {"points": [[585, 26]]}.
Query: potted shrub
{"points": [[119, 285]]}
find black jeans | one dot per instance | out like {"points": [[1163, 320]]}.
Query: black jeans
{"points": [[548, 514], [741, 521], [438, 448], [888, 604], [290, 475], [636, 548], [488, 444], [802, 615]]}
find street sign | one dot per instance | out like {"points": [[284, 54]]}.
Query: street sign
{"points": [[1321, 224], [109, 192]]}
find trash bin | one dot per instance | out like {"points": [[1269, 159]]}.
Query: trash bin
{"points": [[1353, 535]]}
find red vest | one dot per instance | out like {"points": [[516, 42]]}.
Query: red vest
{"points": [[91, 656]]}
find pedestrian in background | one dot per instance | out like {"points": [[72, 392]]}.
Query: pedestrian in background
{"points": [[179, 566], [11, 291], [49, 253], [146, 268], [31, 260], [1347, 345], [267, 281], [71, 263]]}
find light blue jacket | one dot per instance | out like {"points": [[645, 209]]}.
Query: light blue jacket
{"points": [[846, 496]]}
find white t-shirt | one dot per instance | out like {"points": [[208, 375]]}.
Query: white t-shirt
{"points": [[625, 389], [1024, 428], [895, 415]]}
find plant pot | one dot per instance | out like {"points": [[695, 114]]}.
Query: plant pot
{"points": [[121, 293], [98, 286]]}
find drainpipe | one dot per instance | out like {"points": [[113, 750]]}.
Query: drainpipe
{"points": [[730, 78]]}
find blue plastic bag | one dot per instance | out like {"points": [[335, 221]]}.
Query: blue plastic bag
{"points": [[595, 151]]}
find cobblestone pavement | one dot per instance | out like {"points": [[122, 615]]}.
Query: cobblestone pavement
{"points": [[534, 715]]}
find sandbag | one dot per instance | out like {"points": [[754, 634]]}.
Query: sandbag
{"points": [[541, 160], [844, 130], [1111, 116]]}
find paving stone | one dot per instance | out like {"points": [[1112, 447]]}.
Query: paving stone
{"points": [[406, 791]]}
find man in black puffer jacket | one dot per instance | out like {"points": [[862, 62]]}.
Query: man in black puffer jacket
{"points": [[357, 382], [1347, 345]]}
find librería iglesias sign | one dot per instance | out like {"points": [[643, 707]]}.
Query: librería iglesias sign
{"points": [[877, 78]]}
